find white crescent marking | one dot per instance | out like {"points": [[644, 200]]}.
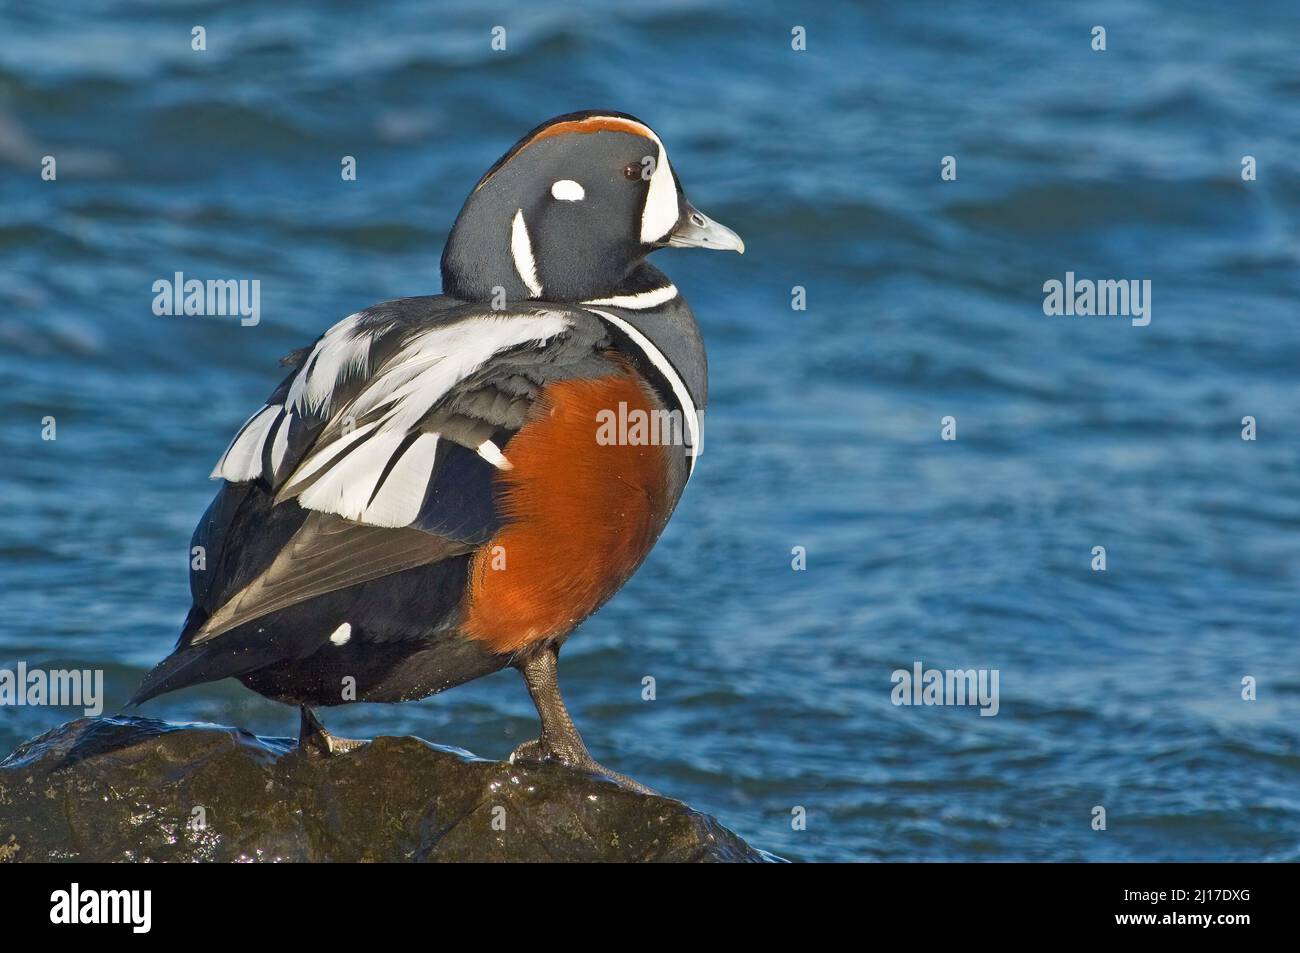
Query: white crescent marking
{"points": [[674, 379], [521, 250], [641, 300]]}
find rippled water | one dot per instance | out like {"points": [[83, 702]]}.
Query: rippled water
{"points": [[1119, 689]]}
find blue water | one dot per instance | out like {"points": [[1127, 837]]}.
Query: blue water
{"points": [[1119, 688]]}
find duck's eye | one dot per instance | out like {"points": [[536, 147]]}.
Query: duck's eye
{"points": [[632, 170]]}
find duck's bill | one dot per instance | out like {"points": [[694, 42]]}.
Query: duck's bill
{"points": [[697, 230]]}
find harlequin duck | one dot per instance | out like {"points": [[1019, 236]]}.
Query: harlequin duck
{"points": [[444, 486]]}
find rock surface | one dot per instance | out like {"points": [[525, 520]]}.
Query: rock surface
{"points": [[136, 789]]}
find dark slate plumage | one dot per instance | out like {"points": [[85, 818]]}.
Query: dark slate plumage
{"points": [[346, 554]]}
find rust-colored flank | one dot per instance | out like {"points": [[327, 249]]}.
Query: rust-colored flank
{"points": [[581, 516]]}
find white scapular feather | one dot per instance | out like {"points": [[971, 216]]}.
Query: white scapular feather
{"points": [[344, 350], [402, 392], [242, 460], [490, 452], [399, 500], [281, 443], [329, 452]]}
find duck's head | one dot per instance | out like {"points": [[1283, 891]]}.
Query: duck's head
{"points": [[570, 213]]}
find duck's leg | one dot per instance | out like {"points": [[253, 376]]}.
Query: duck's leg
{"points": [[560, 740], [314, 740]]}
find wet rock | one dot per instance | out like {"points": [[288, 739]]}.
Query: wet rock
{"points": [[135, 789]]}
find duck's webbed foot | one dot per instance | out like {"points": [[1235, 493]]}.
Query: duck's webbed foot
{"points": [[315, 741], [560, 741]]}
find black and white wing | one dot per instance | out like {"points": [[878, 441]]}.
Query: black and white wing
{"points": [[375, 456], [384, 398], [388, 434]]}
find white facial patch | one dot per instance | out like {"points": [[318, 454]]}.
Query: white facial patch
{"points": [[342, 634], [521, 250], [661, 211], [566, 190]]}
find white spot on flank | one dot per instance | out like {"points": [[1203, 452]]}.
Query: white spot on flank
{"points": [[566, 190], [521, 250], [490, 452], [342, 634]]}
